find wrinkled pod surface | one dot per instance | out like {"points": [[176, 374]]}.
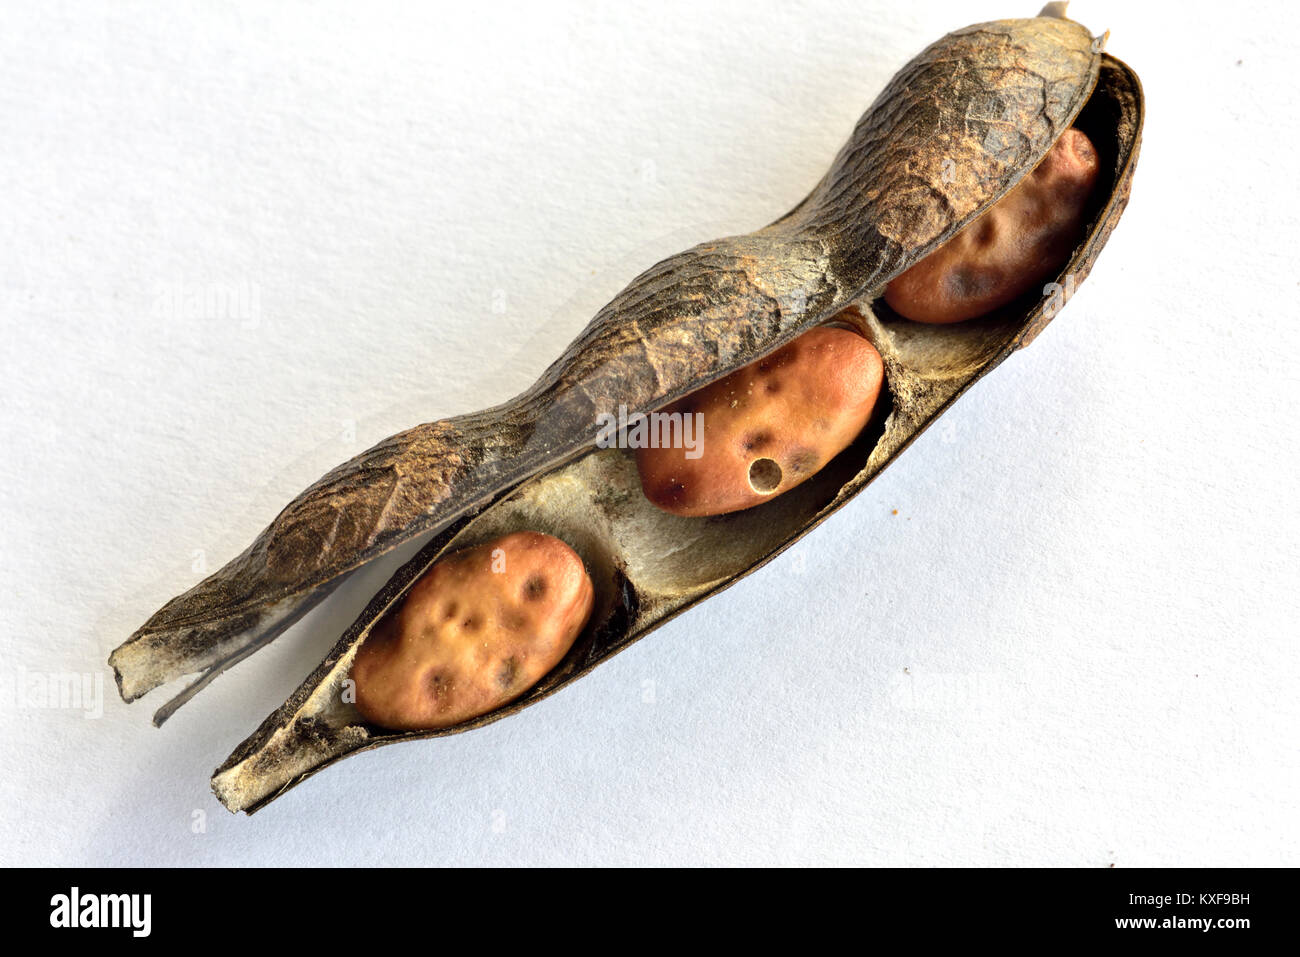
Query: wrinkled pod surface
{"points": [[955, 130]]}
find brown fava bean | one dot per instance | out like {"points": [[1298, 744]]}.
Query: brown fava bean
{"points": [[476, 631], [768, 426], [1020, 241]]}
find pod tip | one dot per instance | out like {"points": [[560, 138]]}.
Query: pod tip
{"points": [[1056, 9]]}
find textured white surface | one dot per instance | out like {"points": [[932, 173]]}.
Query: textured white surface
{"points": [[1073, 644]]}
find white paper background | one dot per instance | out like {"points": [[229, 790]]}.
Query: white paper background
{"points": [[1073, 644]]}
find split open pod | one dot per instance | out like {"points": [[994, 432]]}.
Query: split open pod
{"points": [[955, 131]]}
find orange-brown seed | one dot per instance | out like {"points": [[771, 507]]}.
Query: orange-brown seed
{"points": [[476, 631], [768, 426], [1022, 240]]}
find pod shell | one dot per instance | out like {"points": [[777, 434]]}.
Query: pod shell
{"points": [[954, 130]]}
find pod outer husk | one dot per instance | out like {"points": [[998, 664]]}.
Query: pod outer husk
{"points": [[650, 567], [954, 130]]}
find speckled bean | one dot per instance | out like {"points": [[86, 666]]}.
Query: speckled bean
{"points": [[768, 426], [1022, 240], [476, 631]]}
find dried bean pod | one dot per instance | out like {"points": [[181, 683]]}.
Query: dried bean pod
{"points": [[953, 132]]}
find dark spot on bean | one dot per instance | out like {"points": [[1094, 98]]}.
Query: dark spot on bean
{"points": [[1084, 151], [803, 461], [507, 672], [970, 283], [672, 492], [534, 588], [470, 624], [753, 441], [384, 632]]}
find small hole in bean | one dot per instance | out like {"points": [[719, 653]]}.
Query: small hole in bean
{"points": [[764, 476]]}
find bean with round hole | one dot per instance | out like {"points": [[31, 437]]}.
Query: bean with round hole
{"points": [[767, 427]]}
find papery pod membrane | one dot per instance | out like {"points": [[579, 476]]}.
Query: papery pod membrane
{"points": [[953, 131]]}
